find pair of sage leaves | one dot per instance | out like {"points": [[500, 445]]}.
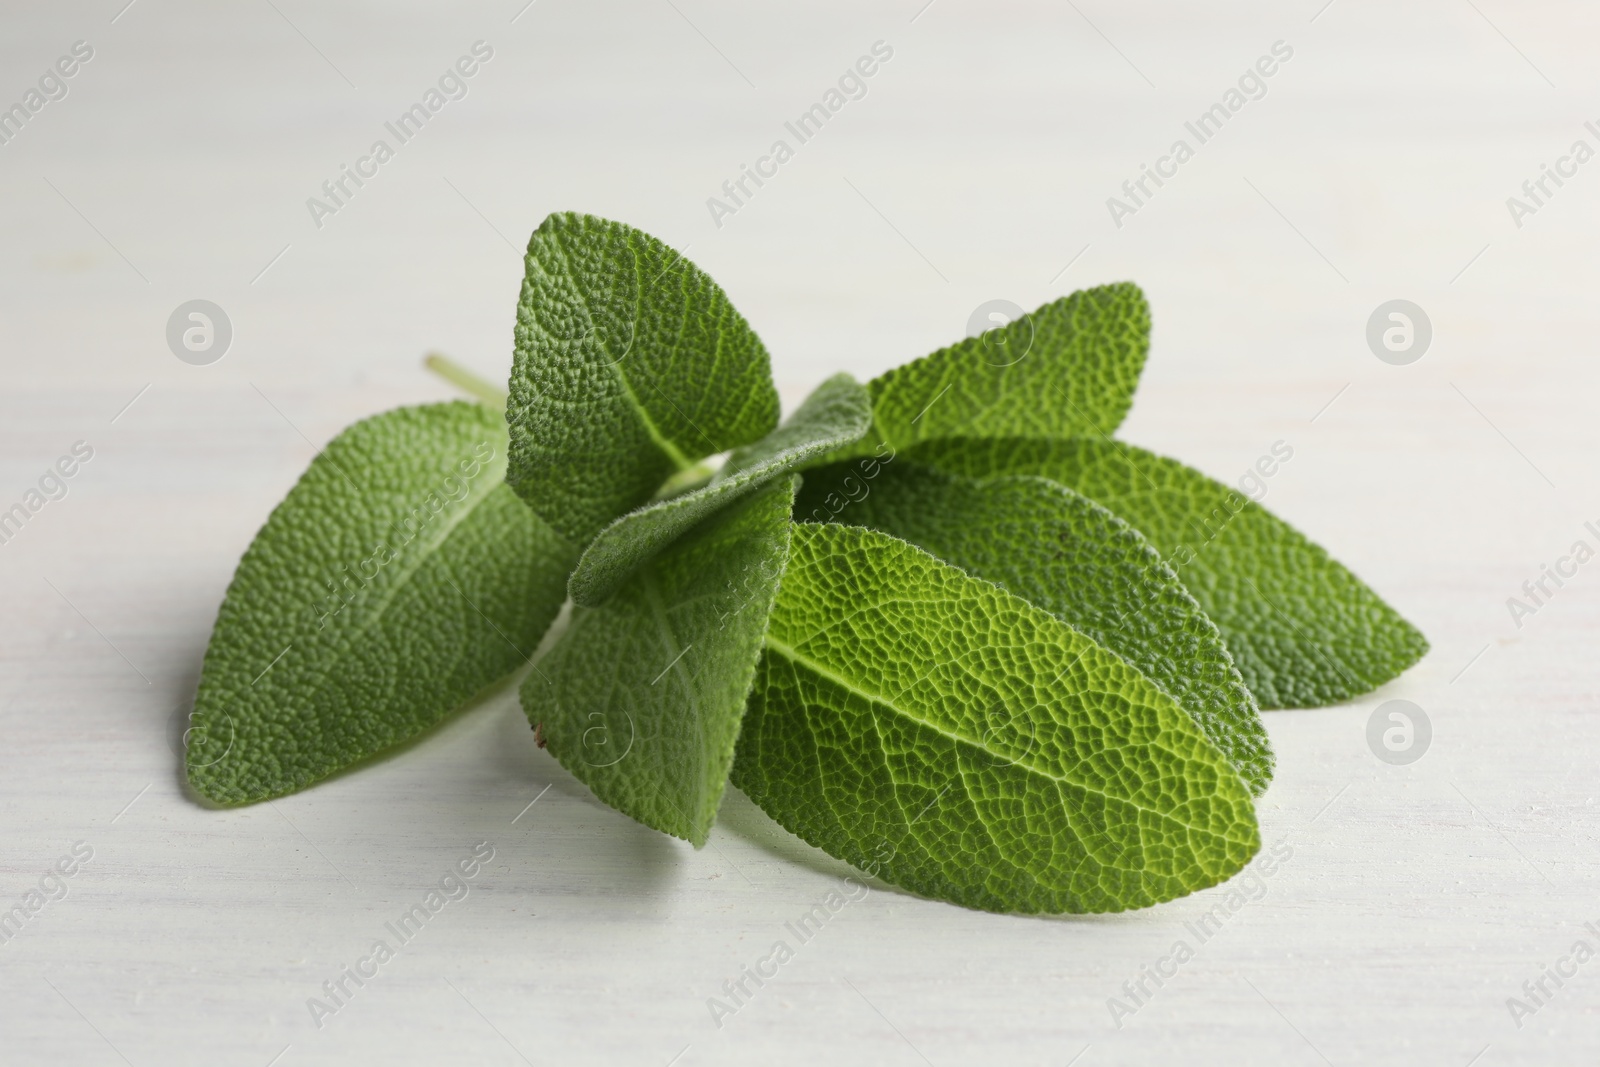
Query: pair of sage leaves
{"points": [[941, 626]]}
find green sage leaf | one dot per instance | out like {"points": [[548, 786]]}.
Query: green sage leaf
{"points": [[630, 365], [1064, 553], [958, 741], [642, 697], [397, 580], [1302, 629], [836, 414], [1068, 368]]}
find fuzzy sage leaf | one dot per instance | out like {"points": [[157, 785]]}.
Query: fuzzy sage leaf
{"points": [[968, 746], [1068, 555], [1303, 630], [641, 698], [630, 364], [1067, 368], [398, 579]]}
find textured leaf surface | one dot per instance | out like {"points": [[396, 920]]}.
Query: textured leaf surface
{"points": [[1068, 368], [1064, 553], [630, 364], [642, 698], [1302, 629], [836, 414], [398, 578], [969, 746]]}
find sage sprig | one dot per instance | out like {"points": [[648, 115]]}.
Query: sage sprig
{"points": [[941, 626]]}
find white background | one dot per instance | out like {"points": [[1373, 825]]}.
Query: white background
{"points": [[1378, 164]]}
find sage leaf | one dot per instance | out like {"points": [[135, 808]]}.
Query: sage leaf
{"points": [[1068, 368], [642, 698], [630, 364], [836, 414], [1303, 630], [397, 580], [955, 740], [1064, 553]]}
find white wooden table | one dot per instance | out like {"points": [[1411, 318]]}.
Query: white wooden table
{"points": [[1377, 165]]}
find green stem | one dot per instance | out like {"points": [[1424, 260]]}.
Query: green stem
{"points": [[468, 382], [691, 477]]}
